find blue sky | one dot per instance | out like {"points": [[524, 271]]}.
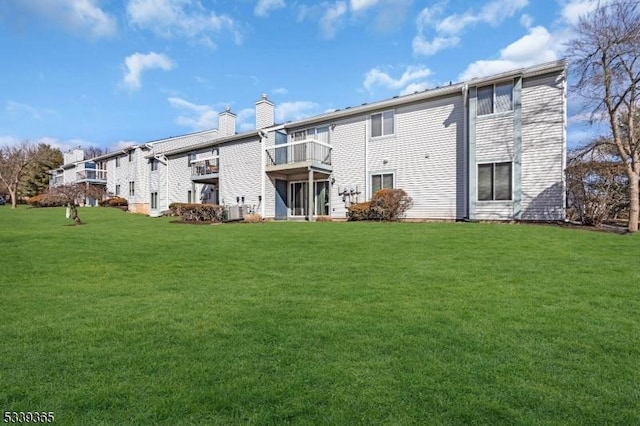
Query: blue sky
{"points": [[115, 72]]}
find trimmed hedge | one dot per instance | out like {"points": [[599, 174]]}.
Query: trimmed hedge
{"points": [[114, 202], [46, 200], [197, 212], [386, 204]]}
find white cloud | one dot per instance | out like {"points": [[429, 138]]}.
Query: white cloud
{"points": [[246, 119], [18, 109], [536, 47], [137, 63], [526, 21], [572, 10], [197, 117], [359, 5], [182, 18], [264, 7], [78, 16], [332, 19], [288, 111], [412, 79], [280, 91], [447, 31]]}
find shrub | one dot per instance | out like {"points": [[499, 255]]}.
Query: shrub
{"points": [[46, 200], [197, 212], [390, 204], [114, 202], [359, 211], [386, 204], [253, 218]]}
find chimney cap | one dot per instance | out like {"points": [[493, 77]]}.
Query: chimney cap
{"points": [[227, 109], [264, 96]]}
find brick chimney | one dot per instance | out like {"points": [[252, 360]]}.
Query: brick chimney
{"points": [[227, 123], [265, 113]]}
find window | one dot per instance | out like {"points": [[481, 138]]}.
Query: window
{"points": [[132, 189], [191, 158], [117, 189], [117, 161], [189, 197], [494, 181], [130, 156], [382, 124], [495, 98], [154, 164], [380, 181], [154, 200]]}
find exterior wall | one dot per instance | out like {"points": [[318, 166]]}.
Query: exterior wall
{"points": [[426, 155], [494, 144], [240, 172], [179, 179], [543, 152]]}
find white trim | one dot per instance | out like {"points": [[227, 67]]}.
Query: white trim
{"points": [[199, 160]]}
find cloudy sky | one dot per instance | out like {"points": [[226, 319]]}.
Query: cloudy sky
{"points": [[113, 72]]}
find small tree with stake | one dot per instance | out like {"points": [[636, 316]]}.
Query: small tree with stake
{"points": [[71, 195]]}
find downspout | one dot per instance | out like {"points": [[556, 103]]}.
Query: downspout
{"points": [[366, 160], [465, 137], [263, 159], [563, 176]]}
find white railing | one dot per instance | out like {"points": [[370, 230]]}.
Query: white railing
{"points": [[204, 167], [91, 174], [298, 152]]}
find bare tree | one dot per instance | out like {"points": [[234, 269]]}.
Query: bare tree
{"points": [[606, 59], [93, 152], [73, 194], [15, 162]]}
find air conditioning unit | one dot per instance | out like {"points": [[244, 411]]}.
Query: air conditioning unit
{"points": [[235, 213]]}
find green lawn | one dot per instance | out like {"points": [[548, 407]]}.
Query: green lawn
{"points": [[134, 320]]}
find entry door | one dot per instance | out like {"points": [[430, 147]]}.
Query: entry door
{"points": [[299, 197], [281, 199]]}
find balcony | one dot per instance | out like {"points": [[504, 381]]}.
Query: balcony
{"points": [[299, 157], [57, 179], [205, 170], [96, 176]]}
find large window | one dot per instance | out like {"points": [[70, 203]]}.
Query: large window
{"points": [[380, 181], [132, 189], [495, 98], [494, 181], [321, 134], [154, 200], [382, 124]]}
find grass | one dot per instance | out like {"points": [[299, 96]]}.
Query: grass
{"points": [[133, 320]]}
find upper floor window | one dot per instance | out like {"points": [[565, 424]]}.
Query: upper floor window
{"points": [[495, 98], [117, 161], [154, 164], [130, 156], [382, 124], [191, 158]]}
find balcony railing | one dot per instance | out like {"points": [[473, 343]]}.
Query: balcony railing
{"points": [[57, 180], [91, 174], [299, 152], [204, 167]]}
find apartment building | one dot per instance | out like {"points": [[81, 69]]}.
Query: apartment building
{"points": [[491, 148]]}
